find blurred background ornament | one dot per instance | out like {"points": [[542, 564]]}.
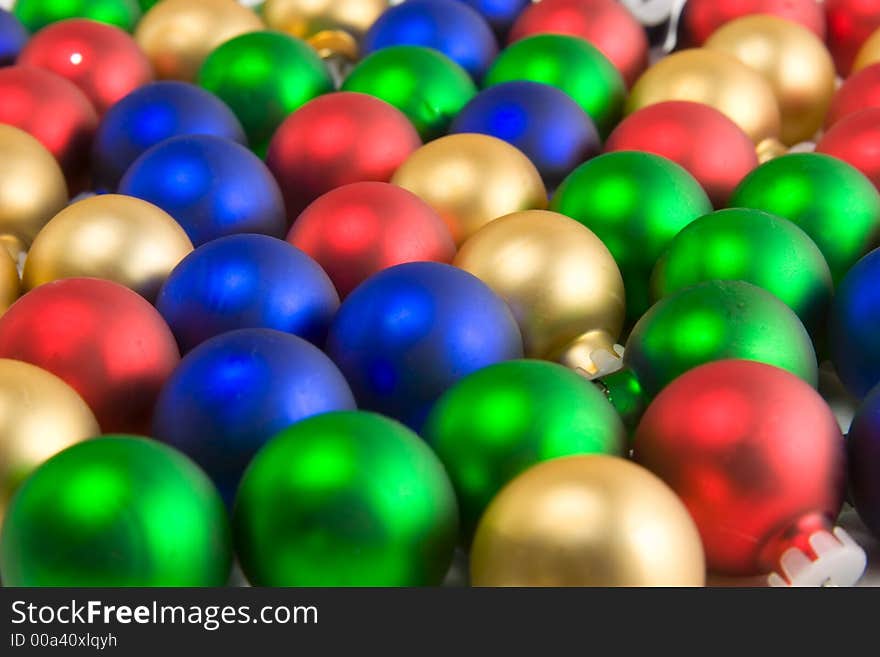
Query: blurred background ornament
{"points": [[293, 515], [37, 14], [118, 238], [102, 339], [235, 391], [855, 139], [408, 333], [247, 281], [850, 23], [357, 230], [701, 18], [869, 53], [110, 503], [212, 186], [500, 14], [13, 37], [859, 91], [863, 442], [560, 282], [428, 87], [338, 139], [581, 521], [472, 179], [497, 422], [177, 35]]}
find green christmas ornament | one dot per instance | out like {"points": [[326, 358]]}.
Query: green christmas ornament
{"points": [[116, 511], [756, 247], [37, 14], [263, 77], [571, 64], [830, 200], [428, 87], [503, 419], [147, 4], [635, 203], [345, 499]]}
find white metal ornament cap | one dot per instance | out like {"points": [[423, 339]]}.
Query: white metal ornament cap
{"points": [[839, 562]]}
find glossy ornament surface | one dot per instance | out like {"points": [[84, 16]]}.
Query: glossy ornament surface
{"points": [[37, 14], [13, 37], [701, 18], [859, 91], [855, 139], [850, 24]]}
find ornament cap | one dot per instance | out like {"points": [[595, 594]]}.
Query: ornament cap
{"points": [[770, 149], [839, 561], [593, 354], [623, 390]]}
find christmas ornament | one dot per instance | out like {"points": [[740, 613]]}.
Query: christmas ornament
{"points": [[54, 111], [13, 37], [210, 185], [755, 247], [570, 64], [37, 14], [177, 35], [102, 60], [263, 77], [447, 26], [235, 391], [860, 91], [39, 416], [758, 459], [345, 499], [152, 114], [102, 339], [793, 60], [247, 281], [25, 164], [500, 14], [357, 230], [850, 23], [541, 121], [116, 511], [471, 180], [716, 79], [606, 24], [331, 27], [560, 281], [829, 199], [337, 139], [118, 238], [701, 18], [10, 285], [863, 443], [504, 419], [582, 521], [635, 203], [408, 333], [428, 87], [869, 53], [855, 139], [711, 147]]}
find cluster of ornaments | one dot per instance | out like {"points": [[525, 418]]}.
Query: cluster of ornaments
{"points": [[334, 289]]}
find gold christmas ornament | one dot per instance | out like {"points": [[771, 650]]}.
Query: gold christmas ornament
{"points": [[39, 416], [587, 521], [32, 188], [10, 285], [560, 281], [177, 35], [472, 179], [869, 53], [115, 237], [715, 79], [792, 59]]}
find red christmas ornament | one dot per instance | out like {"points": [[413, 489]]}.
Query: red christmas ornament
{"points": [[104, 340], [758, 459], [55, 112], [606, 24], [860, 91], [702, 17], [700, 138], [337, 139], [102, 60], [856, 140], [850, 23], [359, 229]]}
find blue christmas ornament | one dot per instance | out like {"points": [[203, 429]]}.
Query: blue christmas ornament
{"points": [[855, 326], [151, 114], [406, 334], [212, 186], [863, 444], [247, 281], [233, 392], [448, 26], [541, 121], [13, 36], [500, 14]]}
